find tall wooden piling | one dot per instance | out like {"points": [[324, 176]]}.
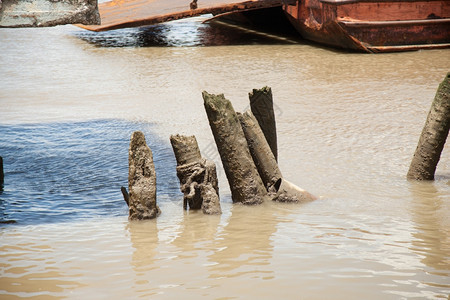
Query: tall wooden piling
{"points": [[141, 179], [261, 105], [245, 183], [433, 137], [259, 149], [279, 188]]}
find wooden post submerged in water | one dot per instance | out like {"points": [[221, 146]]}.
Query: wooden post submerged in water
{"points": [[198, 176], [141, 180], [279, 188], [245, 183], [260, 150], [433, 137], [261, 105]]}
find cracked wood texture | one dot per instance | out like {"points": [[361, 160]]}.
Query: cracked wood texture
{"points": [[141, 180], [245, 183]]}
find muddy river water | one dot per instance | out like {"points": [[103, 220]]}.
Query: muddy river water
{"points": [[347, 123]]}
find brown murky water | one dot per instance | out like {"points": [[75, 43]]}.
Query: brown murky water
{"points": [[348, 125]]}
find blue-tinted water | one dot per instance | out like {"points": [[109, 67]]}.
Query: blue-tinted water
{"points": [[57, 172]]}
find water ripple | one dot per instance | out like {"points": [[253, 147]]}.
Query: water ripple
{"points": [[63, 171]]}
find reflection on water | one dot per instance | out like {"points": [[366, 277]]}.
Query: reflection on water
{"points": [[188, 33], [144, 239], [347, 126], [24, 275], [432, 224], [243, 253]]}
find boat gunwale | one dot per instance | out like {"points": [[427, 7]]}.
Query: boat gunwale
{"points": [[343, 2], [359, 23], [401, 48]]}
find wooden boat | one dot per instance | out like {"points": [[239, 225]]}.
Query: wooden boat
{"points": [[373, 25]]}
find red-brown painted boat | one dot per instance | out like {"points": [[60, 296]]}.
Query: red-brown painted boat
{"points": [[373, 25], [363, 25]]}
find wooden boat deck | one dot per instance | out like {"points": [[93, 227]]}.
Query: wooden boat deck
{"points": [[117, 14]]}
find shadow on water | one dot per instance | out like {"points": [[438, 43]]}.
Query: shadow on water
{"points": [[192, 32], [57, 172]]}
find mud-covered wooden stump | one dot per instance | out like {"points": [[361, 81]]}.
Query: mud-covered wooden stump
{"points": [[261, 105], [433, 137], [245, 183], [141, 180], [279, 188], [259, 149], [198, 176]]}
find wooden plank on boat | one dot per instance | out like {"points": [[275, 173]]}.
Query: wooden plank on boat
{"points": [[117, 14]]}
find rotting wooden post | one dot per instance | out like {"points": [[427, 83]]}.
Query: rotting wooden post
{"points": [[245, 183], [185, 149], [261, 104], [141, 180], [279, 188], [198, 176], [209, 189], [259, 149], [2, 175], [434, 135], [186, 152]]}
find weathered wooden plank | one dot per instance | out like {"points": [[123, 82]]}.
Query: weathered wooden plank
{"points": [[133, 13], [45, 13]]}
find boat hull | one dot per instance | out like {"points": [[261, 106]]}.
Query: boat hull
{"points": [[373, 25]]}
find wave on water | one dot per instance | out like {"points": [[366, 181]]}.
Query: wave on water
{"points": [[58, 172]]}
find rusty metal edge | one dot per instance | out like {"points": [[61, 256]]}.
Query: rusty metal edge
{"points": [[359, 23], [380, 49]]}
